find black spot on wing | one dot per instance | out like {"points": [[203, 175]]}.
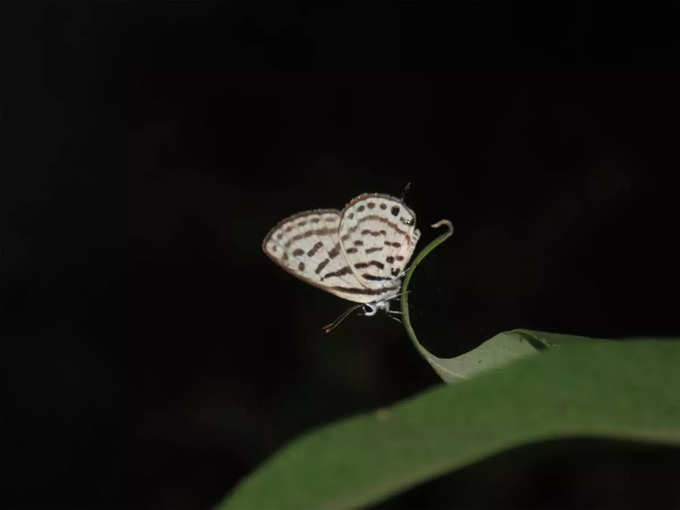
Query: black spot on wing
{"points": [[315, 248], [320, 267], [340, 272], [375, 263], [376, 278]]}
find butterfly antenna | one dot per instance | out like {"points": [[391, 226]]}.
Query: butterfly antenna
{"points": [[405, 190], [330, 327], [398, 295]]}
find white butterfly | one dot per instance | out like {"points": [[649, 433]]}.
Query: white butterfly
{"points": [[358, 253]]}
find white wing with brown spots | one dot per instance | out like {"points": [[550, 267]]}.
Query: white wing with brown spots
{"points": [[378, 235], [307, 245]]}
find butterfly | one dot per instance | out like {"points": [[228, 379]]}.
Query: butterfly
{"points": [[358, 254]]}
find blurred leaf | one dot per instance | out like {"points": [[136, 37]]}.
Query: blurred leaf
{"points": [[495, 352], [579, 388], [498, 351]]}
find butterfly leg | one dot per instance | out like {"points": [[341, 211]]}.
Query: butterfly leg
{"points": [[391, 313], [394, 318]]}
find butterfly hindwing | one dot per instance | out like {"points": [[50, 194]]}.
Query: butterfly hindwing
{"points": [[378, 236]]}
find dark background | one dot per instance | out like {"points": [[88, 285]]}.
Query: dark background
{"points": [[561, 225], [158, 368]]}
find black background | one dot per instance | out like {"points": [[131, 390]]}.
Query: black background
{"points": [[159, 371]]}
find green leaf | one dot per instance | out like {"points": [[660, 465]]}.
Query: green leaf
{"points": [[495, 352], [578, 388]]}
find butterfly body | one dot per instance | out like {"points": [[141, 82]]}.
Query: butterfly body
{"points": [[358, 253]]}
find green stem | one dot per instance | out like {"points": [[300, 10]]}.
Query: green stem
{"points": [[404, 296]]}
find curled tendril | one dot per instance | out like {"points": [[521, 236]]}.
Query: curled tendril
{"points": [[404, 296]]}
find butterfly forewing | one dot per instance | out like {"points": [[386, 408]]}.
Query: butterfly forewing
{"points": [[378, 237], [307, 245]]}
